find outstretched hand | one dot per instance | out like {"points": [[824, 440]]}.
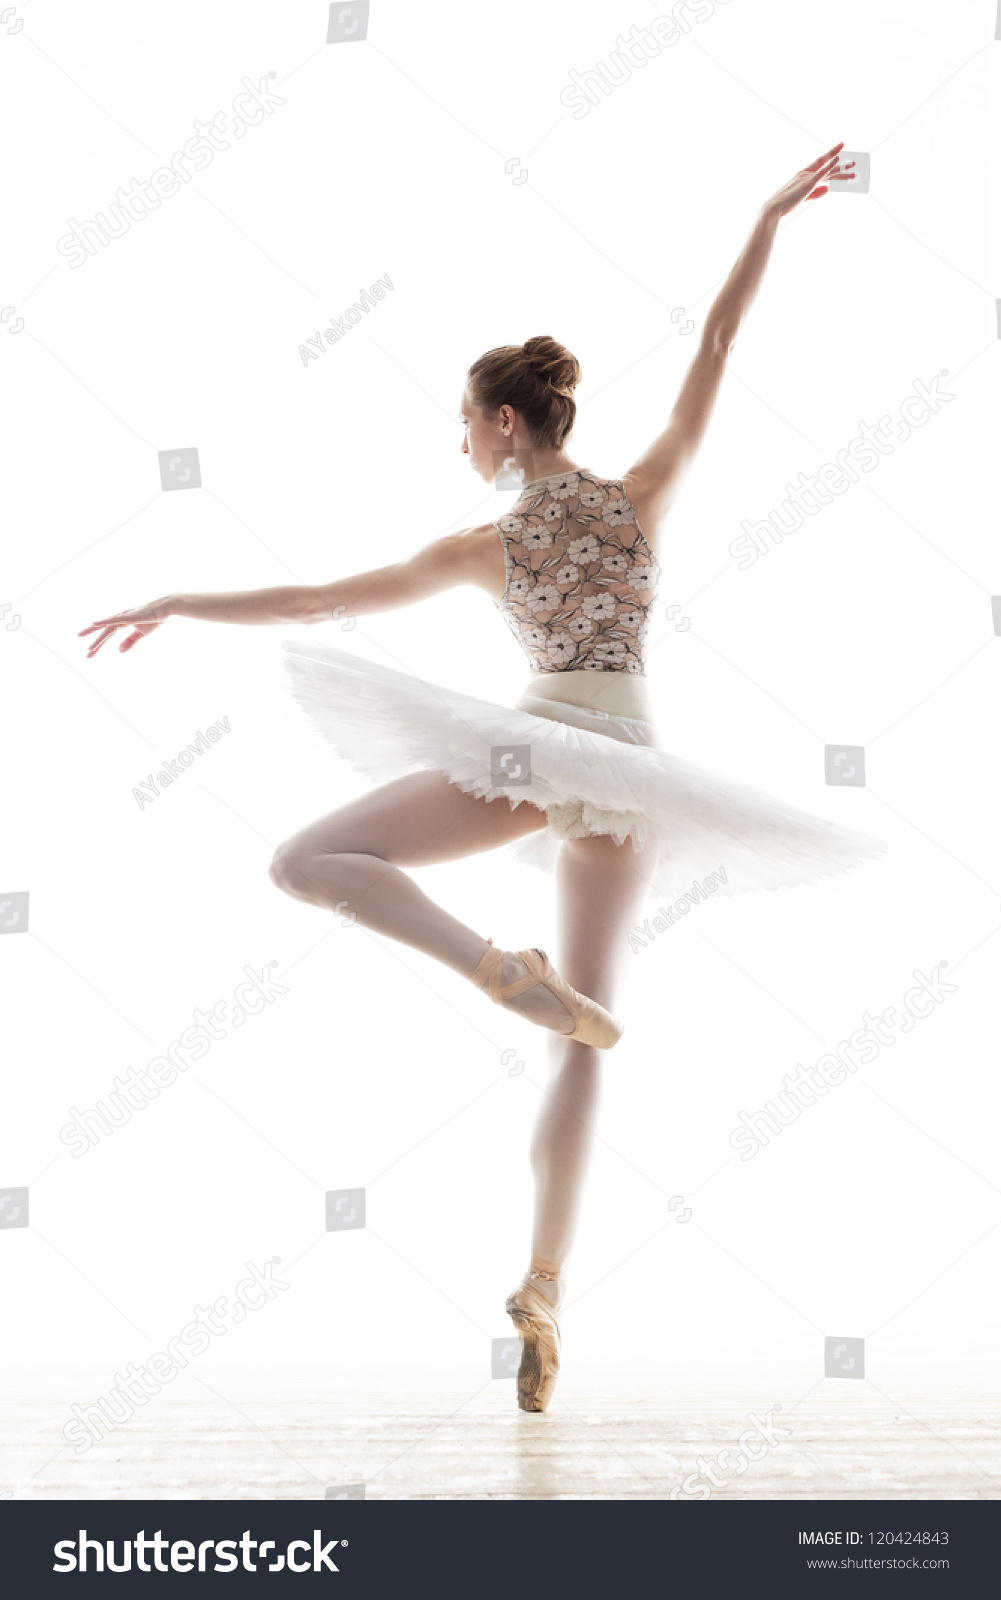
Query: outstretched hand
{"points": [[810, 183], [142, 619]]}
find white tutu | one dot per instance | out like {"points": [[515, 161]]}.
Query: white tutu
{"points": [[690, 821]]}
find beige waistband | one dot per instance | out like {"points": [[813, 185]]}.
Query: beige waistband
{"points": [[621, 694]]}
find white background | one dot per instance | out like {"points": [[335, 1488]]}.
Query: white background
{"points": [[871, 626]]}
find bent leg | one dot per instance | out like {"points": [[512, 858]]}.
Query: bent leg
{"points": [[350, 860], [601, 889]]}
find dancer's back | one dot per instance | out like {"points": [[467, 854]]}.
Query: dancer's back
{"points": [[580, 575]]}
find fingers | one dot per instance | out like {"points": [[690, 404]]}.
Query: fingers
{"points": [[132, 639], [95, 647], [816, 165], [827, 170], [104, 622], [833, 173], [120, 618]]}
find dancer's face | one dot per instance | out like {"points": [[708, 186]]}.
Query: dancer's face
{"points": [[482, 441]]}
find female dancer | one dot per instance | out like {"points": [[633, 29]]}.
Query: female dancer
{"points": [[573, 569]]}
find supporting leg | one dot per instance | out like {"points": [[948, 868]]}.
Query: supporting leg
{"points": [[601, 888]]}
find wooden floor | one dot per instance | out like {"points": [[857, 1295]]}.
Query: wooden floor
{"points": [[436, 1432]]}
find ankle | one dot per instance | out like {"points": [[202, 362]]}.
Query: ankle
{"points": [[547, 1279], [545, 1269]]}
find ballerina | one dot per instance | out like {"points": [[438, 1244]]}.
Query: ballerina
{"points": [[591, 795]]}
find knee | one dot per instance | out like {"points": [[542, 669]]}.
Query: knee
{"points": [[289, 869]]}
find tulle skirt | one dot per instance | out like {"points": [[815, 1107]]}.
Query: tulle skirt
{"points": [[591, 771]]}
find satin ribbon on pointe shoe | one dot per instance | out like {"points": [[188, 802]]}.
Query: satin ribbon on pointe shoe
{"points": [[592, 1023]]}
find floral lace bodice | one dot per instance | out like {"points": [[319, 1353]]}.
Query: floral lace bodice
{"points": [[581, 577]]}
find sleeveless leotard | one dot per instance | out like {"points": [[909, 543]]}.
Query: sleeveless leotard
{"points": [[581, 576]]}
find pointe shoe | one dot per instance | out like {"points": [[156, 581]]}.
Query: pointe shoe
{"points": [[592, 1023], [539, 1332]]}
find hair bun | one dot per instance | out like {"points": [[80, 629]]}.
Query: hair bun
{"points": [[553, 362]]}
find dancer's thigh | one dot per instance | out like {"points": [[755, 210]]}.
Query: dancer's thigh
{"points": [[416, 821], [601, 889]]}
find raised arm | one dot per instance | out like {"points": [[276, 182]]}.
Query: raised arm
{"points": [[653, 481], [450, 560]]}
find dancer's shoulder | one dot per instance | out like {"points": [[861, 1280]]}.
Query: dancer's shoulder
{"points": [[470, 555]]}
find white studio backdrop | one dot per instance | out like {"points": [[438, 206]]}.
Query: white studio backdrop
{"points": [[442, 152]]}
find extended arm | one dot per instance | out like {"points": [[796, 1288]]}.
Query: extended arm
{"points": [[440, 565], [653, 481]]}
